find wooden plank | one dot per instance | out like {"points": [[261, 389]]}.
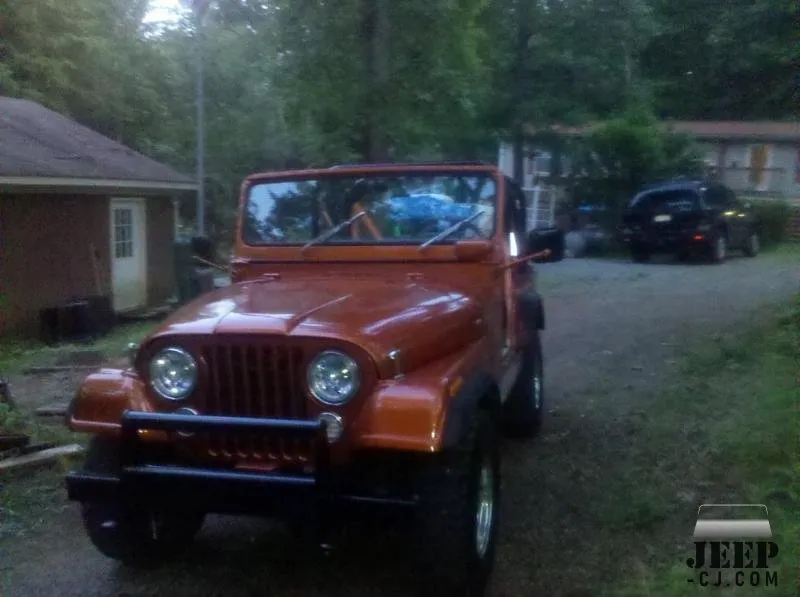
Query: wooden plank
{"points": [[52, 410], [19, 462], [13, 440], [32, 448], [60, 369]]}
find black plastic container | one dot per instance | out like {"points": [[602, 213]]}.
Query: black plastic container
{"points": [[79, 320]]}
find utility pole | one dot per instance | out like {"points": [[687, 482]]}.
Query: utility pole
{"points": [[519, 95], [200, 8]]}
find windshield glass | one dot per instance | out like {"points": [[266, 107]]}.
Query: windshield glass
{"points": [[400, 209], [674, 201]]}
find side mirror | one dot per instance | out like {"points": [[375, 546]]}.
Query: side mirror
{"points": [[203, 247], [542, 239]]}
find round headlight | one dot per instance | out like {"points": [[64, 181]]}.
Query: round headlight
{"points": [[173, 373], [333, 377]]}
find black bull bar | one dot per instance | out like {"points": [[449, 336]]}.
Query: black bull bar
{"points": [[213, 489]]}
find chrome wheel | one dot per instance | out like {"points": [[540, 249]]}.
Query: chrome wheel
{"points": [[536, 392], [720, 248], [484, 518], [755, 244]]}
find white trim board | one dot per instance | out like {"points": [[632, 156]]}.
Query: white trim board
{"points": [[24, 181]]}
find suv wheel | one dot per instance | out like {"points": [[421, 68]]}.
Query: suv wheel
{"points": [[719, 247], [752, 245], [458, 513], [640, 253], [134, 535], [522, 412]]}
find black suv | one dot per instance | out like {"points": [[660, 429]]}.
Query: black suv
{"points": [[689, 217]]}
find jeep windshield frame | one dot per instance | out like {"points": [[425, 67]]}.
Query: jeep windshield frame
{"points": [[404, 207]]}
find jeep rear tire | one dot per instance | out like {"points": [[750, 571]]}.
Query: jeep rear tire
{"points": [[134, 536], [524, 408], [457, 516]]}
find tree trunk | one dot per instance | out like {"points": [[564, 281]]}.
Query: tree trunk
{"points": [[375, 147]]}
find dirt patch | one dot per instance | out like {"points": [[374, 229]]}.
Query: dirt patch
{"points": [[32, 391], [92, 358], [615, 331]]}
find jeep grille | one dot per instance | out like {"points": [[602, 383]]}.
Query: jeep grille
{"points": [[255, 380]]}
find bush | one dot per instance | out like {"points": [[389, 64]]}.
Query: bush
{"points": [[622, 154], [11, 420], [774, 215]]}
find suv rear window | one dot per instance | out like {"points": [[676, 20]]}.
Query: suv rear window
{"points": [[675, 201]]}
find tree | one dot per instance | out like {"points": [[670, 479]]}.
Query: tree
{"points": [[621, 155], [727, 60]]}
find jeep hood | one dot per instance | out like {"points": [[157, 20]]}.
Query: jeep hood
{"points": [[421, 319]]}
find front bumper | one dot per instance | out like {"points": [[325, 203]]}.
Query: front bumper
{"points": [[666, 240], [141, 481]]}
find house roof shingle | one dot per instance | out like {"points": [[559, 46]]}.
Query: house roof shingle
{"points": [[763, 130], [717, 130], [38, 143]]}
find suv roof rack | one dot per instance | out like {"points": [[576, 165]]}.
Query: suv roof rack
{"points": [[440, 163]]}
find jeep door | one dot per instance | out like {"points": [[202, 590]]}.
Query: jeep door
{"points": [[518, 278]]}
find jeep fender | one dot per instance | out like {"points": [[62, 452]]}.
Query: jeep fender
{"points": [[427, 408], [102, 398], [531, 310], [479, 391]]}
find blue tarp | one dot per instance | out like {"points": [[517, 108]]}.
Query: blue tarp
{"points": [[428, 207]]}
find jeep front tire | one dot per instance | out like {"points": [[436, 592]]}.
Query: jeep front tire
{"points": [[523, 410], [134, 535], [458, 513]]}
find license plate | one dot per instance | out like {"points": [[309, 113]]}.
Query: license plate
{"points": [[662, 218]]}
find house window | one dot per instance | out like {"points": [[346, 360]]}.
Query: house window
{"points": [[542, 163], [123, 233]]}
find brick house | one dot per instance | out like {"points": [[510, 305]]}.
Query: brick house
{"points": [[80, 215]]}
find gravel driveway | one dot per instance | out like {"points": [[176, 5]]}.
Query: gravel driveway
{"points": [[614, 330]]}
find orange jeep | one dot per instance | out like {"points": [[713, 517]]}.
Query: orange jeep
{"points": [[381, 330]]}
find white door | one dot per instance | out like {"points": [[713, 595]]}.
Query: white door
{"points": [[128, 253]]}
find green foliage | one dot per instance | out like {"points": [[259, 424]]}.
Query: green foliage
{"points": [[723, 60], [11, 421], [774, 215], [624, 153], [759, 466], [292, 84]]}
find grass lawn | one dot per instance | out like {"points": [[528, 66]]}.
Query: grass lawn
{"points": [[27, 498], [18, 354], [729, 432], [788, 251]]}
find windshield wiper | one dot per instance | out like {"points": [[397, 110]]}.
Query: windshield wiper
{"points": [[454, 228], [326, 235]]}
